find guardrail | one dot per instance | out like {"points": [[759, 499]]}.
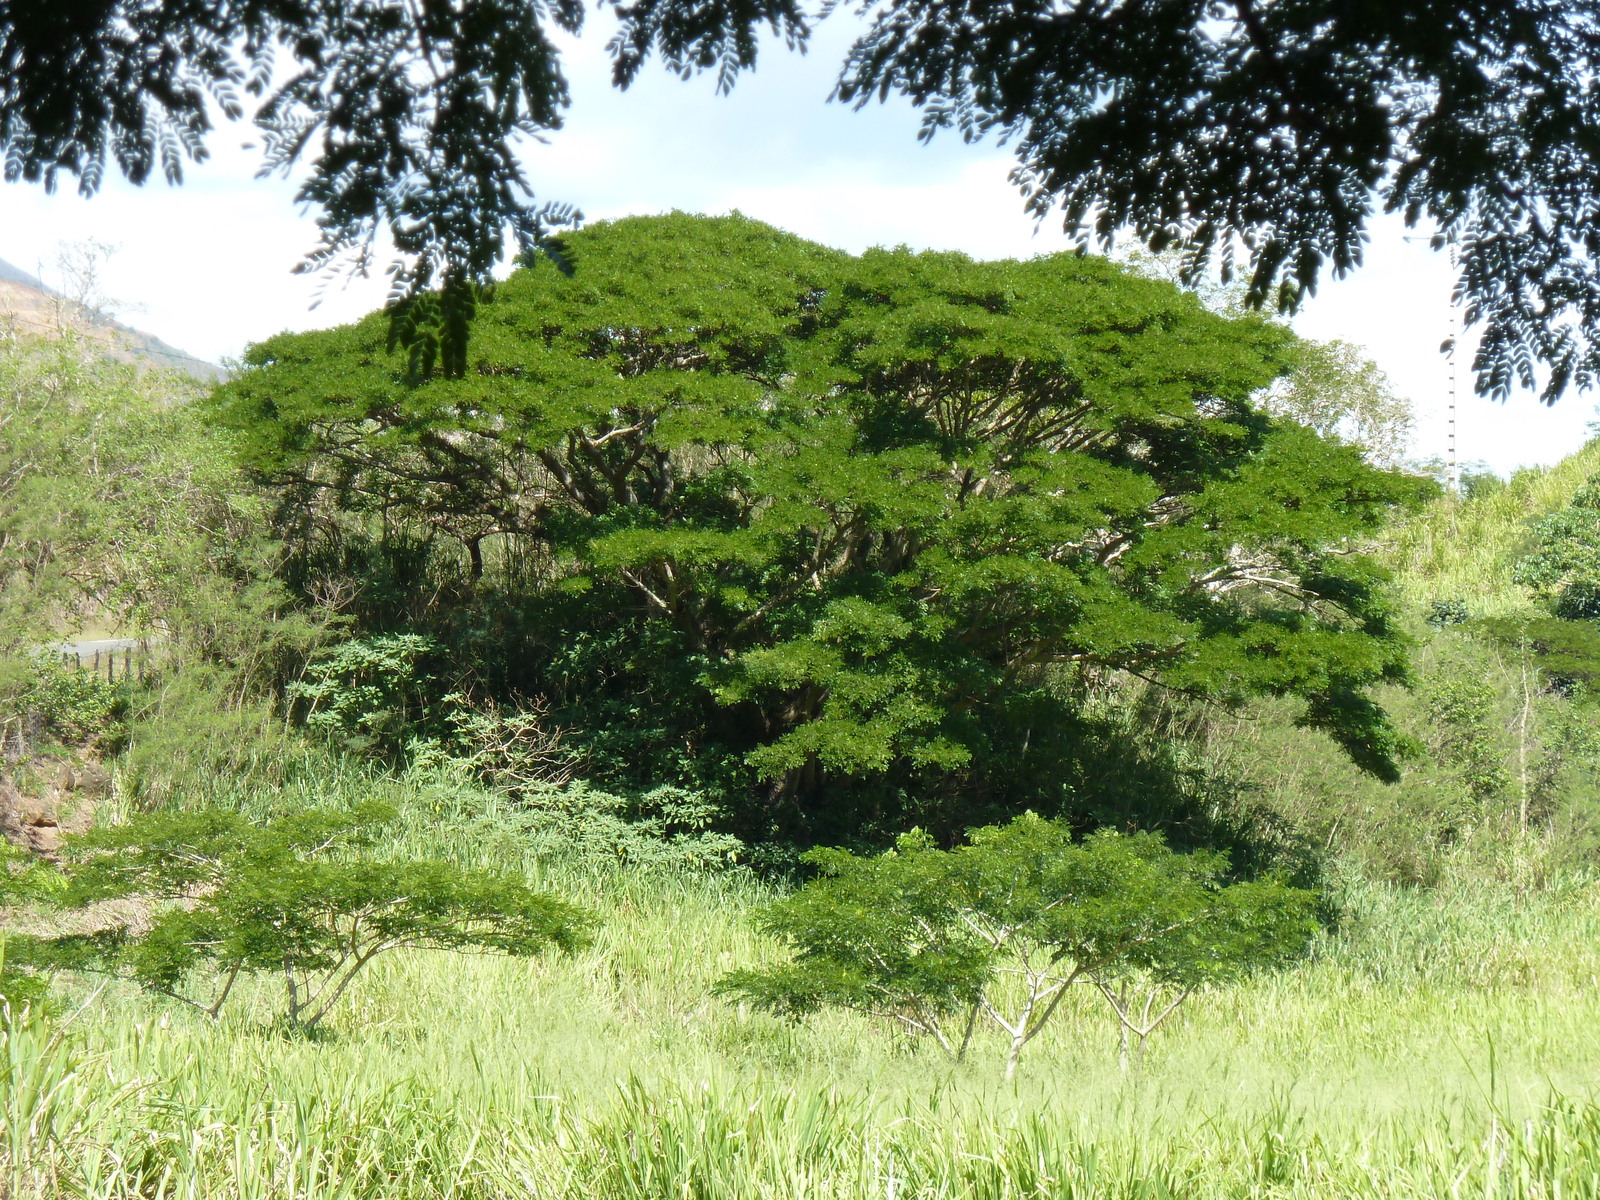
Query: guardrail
{"points": [[101, 657]]}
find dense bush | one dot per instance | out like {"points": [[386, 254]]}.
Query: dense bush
{"points": [[47, 702]]}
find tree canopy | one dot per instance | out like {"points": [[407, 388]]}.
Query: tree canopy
{"points": [[299, 896], [835, 522], [1270, 133], [1264, 134], [408, 116]]}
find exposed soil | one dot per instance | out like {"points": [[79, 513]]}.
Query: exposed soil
{"points": [[59, 799]]}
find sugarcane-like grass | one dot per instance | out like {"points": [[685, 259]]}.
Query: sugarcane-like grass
{"points": [[1438, 1044]]}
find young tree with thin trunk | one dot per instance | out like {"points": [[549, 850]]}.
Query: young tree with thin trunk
{"points": [[997, 930], [295, 897]]}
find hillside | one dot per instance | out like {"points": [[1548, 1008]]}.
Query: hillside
{"points": [[1499, 780], [1463, 549], [29, 306]]}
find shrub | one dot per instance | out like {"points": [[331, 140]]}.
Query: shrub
{"points": [[68, 707], [578, 823], [369, 695]]}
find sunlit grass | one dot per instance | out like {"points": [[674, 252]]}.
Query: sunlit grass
{"points": [[1465, 549], [1425, 1050]]}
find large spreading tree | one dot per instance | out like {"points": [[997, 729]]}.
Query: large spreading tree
{"points": [[1269, 131], [850, 535]]}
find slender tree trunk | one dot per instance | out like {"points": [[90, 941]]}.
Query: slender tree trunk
{"points": [[1019, 1031], [1120, 1003], [966, 1036], [293, 990], [233, 974], [1014, 1055]]}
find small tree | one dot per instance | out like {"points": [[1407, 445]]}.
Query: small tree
{"points": [[1246, 926], [294, 896], [882, 936], [1001, 927]]}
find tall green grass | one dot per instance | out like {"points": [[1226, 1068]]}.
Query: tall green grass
{"points": [[1438, 1044], [147, 1109]]}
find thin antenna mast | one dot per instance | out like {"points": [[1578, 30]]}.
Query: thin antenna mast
{"points": [[1455, 337], [1452, 464]]}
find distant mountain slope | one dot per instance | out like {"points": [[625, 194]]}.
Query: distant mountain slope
{"points": [[10, 274], [31, 307]]}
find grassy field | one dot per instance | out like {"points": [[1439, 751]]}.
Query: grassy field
{"points": [[1439, 1044]]}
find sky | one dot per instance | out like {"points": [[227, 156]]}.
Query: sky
{"points": [[208, 266]]}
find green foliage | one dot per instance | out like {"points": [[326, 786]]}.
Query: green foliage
{"points": [[1502, 785], [121, 507], [23, 880], [1479, 479], [370, 694], [1502, 788], [1166, 121], [69, 707], [21, 991], [1336, 390], [1169, 122], [1565, 568], [1384, 1040], [1467, 549], [514, 749], [924, 936], [380, 697], [666, 827], [430, 161], [1567, 650], [1448, 612], [826, 533], [293, 896], [1460, 708], [192, 739]]}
